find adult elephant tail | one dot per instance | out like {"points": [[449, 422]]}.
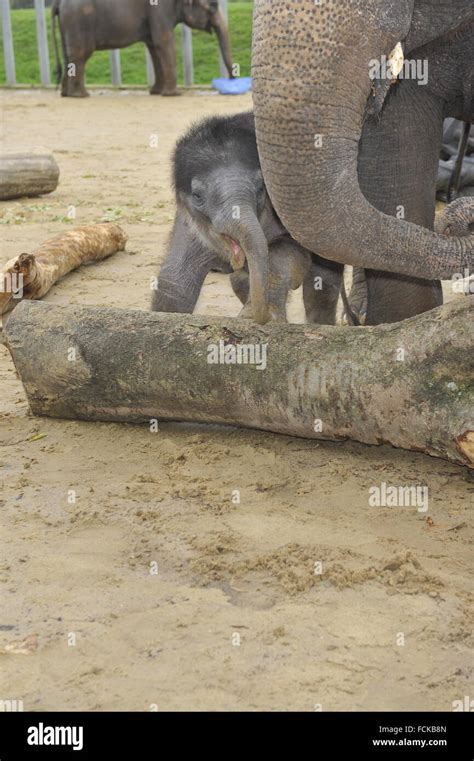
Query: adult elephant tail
{"points": [[54, 14], [312, 77]]}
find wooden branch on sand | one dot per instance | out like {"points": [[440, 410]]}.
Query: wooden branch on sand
{"points": [[409, 384], [23, 174], [30, 276]]}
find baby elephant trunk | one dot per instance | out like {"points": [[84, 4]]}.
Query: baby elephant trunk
{"points": [[247, 240]]}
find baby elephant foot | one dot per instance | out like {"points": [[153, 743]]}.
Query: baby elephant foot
{"points": [[358, 312], [356, 317], [246, 313], [456, 219], [275, 314], [171, 93]]}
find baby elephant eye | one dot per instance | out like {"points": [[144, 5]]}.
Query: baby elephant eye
{"points": [[197, 197]]}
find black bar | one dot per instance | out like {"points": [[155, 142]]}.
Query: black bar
{"points": [[404, 735]]}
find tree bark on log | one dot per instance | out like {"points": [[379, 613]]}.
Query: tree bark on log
{"points": [[31, 276], [409, 384], [23, 174]]}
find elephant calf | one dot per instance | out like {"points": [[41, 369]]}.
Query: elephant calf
{"points": [[225, 220]]}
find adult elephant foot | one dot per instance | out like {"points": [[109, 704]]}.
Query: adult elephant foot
{"points": [[171, 93], [456, 219], [82, 93]]}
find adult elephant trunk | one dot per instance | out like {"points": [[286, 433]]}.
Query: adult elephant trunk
{"points": [[247, 241], [311, 82], [220, 27]]}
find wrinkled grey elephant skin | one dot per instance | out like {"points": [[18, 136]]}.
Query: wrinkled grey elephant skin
{"points": [[360, 142]]}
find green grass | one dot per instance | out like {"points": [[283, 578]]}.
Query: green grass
{"points": [[205, 50]]}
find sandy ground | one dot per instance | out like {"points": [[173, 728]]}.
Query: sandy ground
{"points": [[154, 590]]}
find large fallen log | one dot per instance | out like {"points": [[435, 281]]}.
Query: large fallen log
{"points": [[24, 174], [409, 384], [30, 276]]}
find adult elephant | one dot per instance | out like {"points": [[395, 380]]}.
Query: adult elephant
{"points": [[349, 153], [90, 25]]}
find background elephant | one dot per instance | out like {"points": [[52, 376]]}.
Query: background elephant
{"points": [[225, 221], [458, 146], [90, 25], [359, 147]]}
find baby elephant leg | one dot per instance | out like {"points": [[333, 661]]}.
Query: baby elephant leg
{"points": [[288, 265], [321, 289], [241, 285]]}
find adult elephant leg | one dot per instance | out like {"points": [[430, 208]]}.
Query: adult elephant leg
{"points": [[65, 82], [157, 87], [183, 272], [78, 46], [321, 289], [398, 166], [74, 76], [164, 43], [78, 83], [64, 78]]}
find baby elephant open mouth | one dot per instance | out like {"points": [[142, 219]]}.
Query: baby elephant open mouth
{"points": [[237, 258]]}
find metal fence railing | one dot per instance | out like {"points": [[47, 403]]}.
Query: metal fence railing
{"points": [[115, 62]]}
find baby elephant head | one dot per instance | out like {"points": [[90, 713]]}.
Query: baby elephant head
{"points": [[220, 187]]}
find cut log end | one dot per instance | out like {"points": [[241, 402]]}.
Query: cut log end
{"points": [[26, 267], [465, 444], [27, 175]]}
